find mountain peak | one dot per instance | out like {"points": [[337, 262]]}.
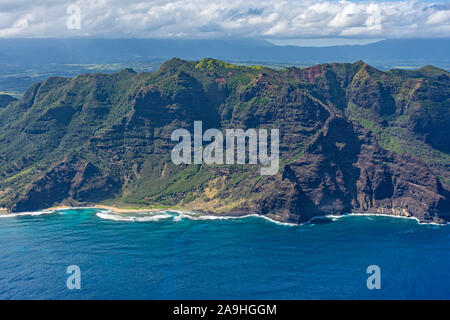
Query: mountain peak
{"points": [[432, 71], [210, 63], [360, 63], [6, 99], [128, 70]]}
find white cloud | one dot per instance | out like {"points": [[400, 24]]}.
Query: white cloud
{"points": [[440, 17], [272, 19]]}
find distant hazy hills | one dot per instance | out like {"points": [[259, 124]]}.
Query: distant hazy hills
{"points": [[418, 52]]}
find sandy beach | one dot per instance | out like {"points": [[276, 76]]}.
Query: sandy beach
{"points": [[114, 209], [118, 210]]}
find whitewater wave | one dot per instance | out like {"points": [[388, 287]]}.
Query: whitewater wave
{"points": [[366, 214], [179, 215], [20, 214], [110, 215]]}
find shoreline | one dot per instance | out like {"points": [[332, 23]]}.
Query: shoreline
{"points": [[207, 215], [111, 208], [248, 215], [213, 215], [374, 214]]}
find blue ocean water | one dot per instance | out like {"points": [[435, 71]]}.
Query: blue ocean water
{"points": [[171, 256]]}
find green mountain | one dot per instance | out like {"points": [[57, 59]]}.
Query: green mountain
{"points": [[352, 139], [5, 100]]}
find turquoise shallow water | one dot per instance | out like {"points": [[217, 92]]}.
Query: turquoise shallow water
{"points": [[168, 256]]}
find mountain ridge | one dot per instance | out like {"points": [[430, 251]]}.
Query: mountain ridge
{"points": [[353, 139], [29, 51]]}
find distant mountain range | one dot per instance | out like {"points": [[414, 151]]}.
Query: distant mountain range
{"points": [[386, 53], [353, 139], [5, 100]]}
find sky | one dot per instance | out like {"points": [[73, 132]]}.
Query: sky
{"points": [[279, 21]]}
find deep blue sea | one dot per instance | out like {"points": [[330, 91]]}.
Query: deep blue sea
{"points": [[171, 255]]}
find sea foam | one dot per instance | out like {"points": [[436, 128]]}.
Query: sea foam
{"points": [[19, 214], [176, 216], [179, 215]]}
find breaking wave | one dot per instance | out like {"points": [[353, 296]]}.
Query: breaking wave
{"points": [[179, 215], [31, 213], [369, 215], [110, 215], [175, 216]]}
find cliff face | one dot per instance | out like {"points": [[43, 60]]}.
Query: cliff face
{"points": [[343, 172], [352, 139]]}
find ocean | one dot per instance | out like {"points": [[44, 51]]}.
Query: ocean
{"points": [[176, 255]]}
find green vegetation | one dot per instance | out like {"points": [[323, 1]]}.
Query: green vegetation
{"points": [[214, 64]]}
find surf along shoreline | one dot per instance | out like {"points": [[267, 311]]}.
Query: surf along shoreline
{"points": [[203, 215]]}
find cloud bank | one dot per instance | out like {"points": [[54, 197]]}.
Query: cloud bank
{"points": [[195, 19]]}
